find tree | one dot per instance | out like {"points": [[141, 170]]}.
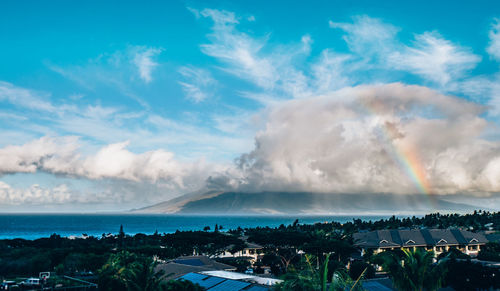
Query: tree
{"points": [[413, 270], [142, 276], [490, 252], [465, 275], [309, 278], [127, 271], [121, 236]]}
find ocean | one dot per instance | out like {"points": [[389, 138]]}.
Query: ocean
{"points": [[33, 226]]}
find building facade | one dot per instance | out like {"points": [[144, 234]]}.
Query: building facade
{"points": [[437, 240]]}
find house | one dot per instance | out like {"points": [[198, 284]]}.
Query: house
{"points": [[437, 240], [230, 281], [180, 266], [252, 251]]}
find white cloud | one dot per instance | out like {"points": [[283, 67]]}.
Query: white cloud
{"points": [[245, 58], [435, 59], [100, 125], [24, 98], [36, 195], [144, 60], [351, 141], [199, 84], [431, 56], [330, 72], [367, 36], [238, 50], [494, 47], [114, 161]]}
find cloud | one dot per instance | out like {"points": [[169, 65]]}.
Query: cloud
{"points": [[367, 36], [99, 125], [124, 71], [331, 72], [199, 84], [238, 49], [113, 161], [430, 56], [355, 140], [24, 98], [435, 59], [143, 59], [36, 195], [494, 46], [244, 57]]}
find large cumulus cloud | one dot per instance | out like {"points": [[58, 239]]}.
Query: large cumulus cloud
{"points": [[358, 139]]}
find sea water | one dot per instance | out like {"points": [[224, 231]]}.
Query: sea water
{"points": [[33, 226]]}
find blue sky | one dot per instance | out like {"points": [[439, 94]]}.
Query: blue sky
{"points": [[103, 102]]}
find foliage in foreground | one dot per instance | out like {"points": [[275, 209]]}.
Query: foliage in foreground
{"points": [[413, 270], [310, 278], [127, 271]]}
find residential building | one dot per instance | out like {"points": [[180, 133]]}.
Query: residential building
{"points": [[252, 251], [437, 240], [187, 264], [230, 281]]}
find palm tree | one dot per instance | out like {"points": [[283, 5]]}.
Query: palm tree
{"points": [[413, 270], [315, 279], [142, 276], [128, 271]]}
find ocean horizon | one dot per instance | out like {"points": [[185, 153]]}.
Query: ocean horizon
{"points": [[38, 225]]}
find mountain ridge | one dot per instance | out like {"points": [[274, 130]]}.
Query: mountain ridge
{"points": [[230, 202]]}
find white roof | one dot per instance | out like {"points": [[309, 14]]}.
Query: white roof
{"points": [[244, 277]]}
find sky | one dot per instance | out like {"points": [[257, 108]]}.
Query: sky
{"points": [[119, 105]]}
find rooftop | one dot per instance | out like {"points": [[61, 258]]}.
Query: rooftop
{"points": [[187, 264], [417, 237], [230, 281]]}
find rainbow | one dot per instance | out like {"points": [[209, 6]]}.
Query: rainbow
{"points": [[405, 156], [409, 160]]}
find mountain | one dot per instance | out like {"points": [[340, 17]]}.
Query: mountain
{"points": [[215, 202]]}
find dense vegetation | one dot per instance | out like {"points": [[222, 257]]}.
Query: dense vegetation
{"points": [[325, 251]]}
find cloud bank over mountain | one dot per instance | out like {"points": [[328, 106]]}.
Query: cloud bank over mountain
{"points": [[370, 139]]}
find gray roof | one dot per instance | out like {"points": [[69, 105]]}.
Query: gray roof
{"points": [[417, 237], [412, 238], [188, 264]]}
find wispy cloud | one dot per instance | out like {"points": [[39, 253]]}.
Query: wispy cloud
{"points": [[124, 71], [430, 56], [144, 60], [198, 85], [367, 36], [435, 58], [494, 47], [24, 98]]}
